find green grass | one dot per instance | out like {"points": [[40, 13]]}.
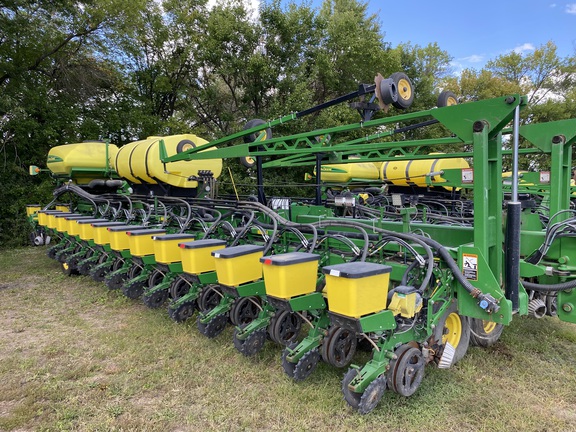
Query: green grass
{"points": [[75, 356]]}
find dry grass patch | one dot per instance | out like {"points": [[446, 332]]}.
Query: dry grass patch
{"points": [[75, 356]]}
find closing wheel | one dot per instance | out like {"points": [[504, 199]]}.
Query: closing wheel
{"points": [[372, 395], [446, 98], [214, 327], [287, 365], [351, 397], [551, 305], [53, 250], [85, 267], [339, 346], [455, 330], [156, 299], [285, 327], [306, 365], [183, 311], [244, 310], [253, 344], [406, 370], [100, 271], [115, 281], [179, 288], [209, 298], [484, 333], [133, 289], [405, 90]]}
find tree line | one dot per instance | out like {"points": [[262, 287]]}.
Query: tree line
{"points": [[109, 69]]}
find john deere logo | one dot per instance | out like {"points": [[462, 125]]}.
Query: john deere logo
{"points": [[52, 159]]}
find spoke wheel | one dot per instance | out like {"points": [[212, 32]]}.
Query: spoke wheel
{"points": [[214, 327], [339, 346], [244, 310], [252, 345], [351, 397], [285, 327], [372, 395], [551, 305], [179, 288], [155, 278], [306, 365], [99, 272], [406, 371], [51, 253], [183, 311], [209, 298], [156, 299], [133, 289], [484, 333]]}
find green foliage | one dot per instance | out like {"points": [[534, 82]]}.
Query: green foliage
{"points": [[74, 70]]}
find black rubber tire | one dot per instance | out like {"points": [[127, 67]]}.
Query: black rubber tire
{"points": [[115, 281], [133, 290], [253, 136], [306, 365], [184, 145], [479, 336], [155, 278], [178, 288], [339, 346], [405, 90], [446, 98], [247, 161]]}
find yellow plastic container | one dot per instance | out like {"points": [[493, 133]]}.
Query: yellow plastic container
{"points": [[237, 265], [166, 248], [140, 241], [60, 222], [101, 233], [63, 208], [32, 209], [413, 172], [71, 224], [197, 256], [118, 238], [43, 217], [139, 162], [51, 220], [358, 288], [290, 274], [81, 161], [86, 230]]}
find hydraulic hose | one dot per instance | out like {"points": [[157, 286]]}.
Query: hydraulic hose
{"points": [[550, 287]]}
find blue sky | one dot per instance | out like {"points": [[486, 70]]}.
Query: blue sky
{"points": [[474, 32]]}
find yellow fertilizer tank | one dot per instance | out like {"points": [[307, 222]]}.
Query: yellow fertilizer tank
{"points": [[343, 173], [413, 172], [139, 162], [82, 162]]}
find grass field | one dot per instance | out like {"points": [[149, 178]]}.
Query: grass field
{"points": [[76, 356]]}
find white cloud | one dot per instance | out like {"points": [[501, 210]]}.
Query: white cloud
{"points": [[552, 5], [524, 47], [571, 8], [474, 58]]}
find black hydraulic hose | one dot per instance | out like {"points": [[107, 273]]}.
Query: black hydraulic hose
{"points": [[550, 287]]}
